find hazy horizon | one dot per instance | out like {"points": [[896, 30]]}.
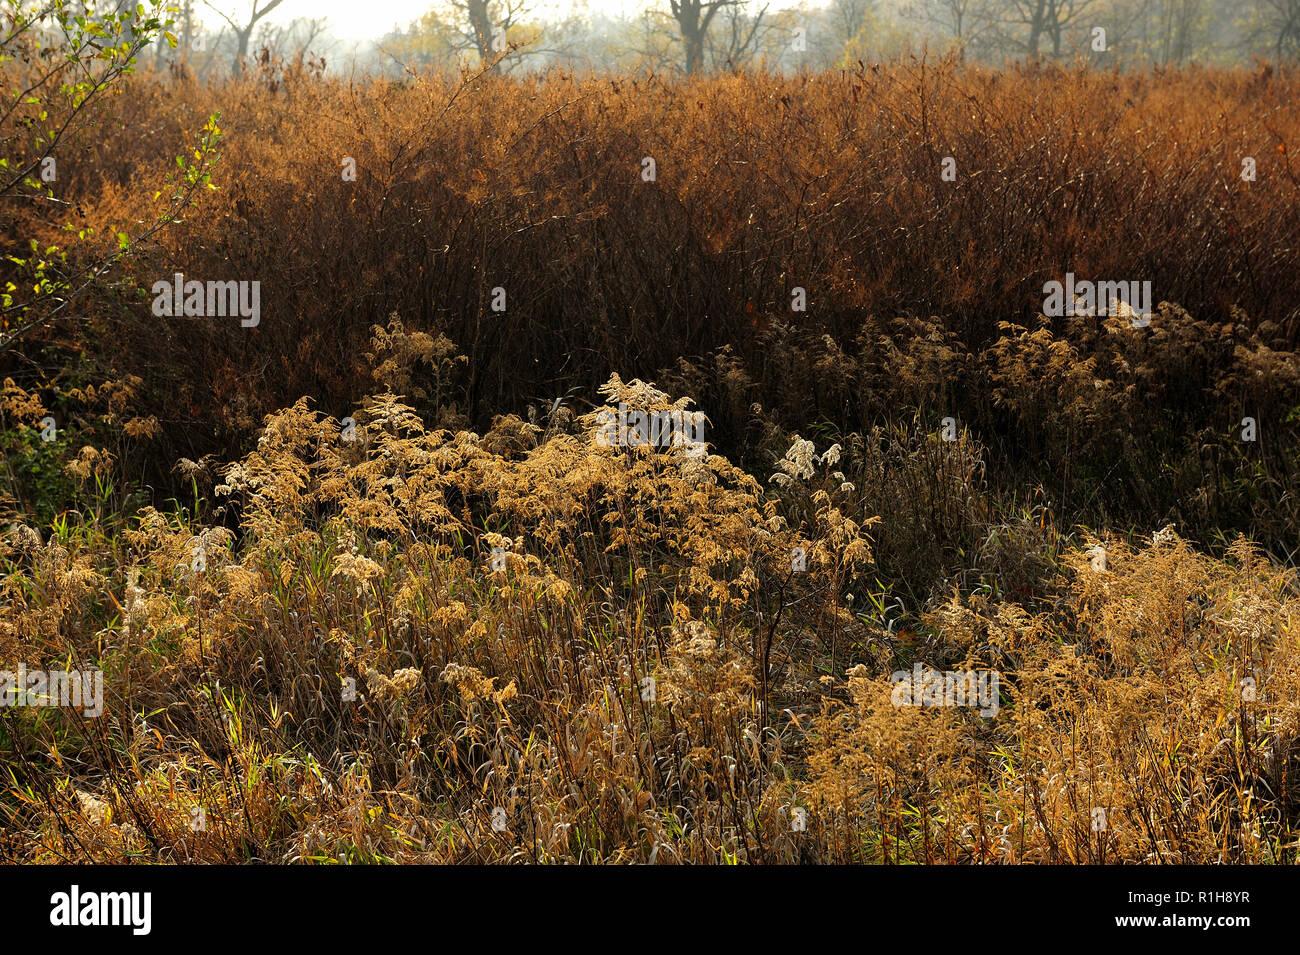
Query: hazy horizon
{"points": [[358, 22]]}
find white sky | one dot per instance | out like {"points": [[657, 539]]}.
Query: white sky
{"points": [[367, 19]]}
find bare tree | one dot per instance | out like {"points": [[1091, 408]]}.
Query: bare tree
{"points": [[244, 33], [653, 40], [1034, 23], [187, 28], [962, 20], [483, 25], [741, 37], [1280, 19], [847, 18], [1178, 21], [482, 22], [296, 39], [693, 18]]}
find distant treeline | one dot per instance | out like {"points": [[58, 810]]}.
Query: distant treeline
{"points": [[700, 36]]}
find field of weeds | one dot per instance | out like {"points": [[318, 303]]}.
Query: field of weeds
{"points": [[425, 564]]}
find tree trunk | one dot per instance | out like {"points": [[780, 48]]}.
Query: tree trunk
{"points": [[1036, 25], [242, 37], [481, 23], [693, 19], [694, 44]]}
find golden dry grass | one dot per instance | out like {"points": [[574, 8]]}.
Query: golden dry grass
{"points": [[640, 675], [366, 586]]}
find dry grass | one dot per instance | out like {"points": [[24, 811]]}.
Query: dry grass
{"points": [[829, 182], [563, 651], [638, 675]]}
